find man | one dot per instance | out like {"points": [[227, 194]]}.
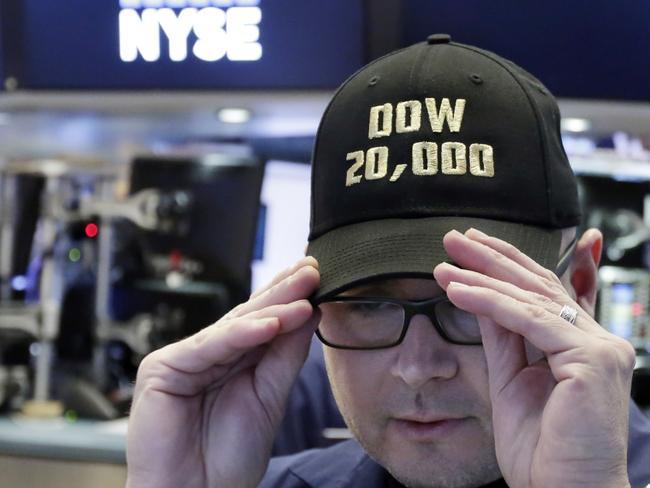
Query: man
{"points": [[454, 298]]}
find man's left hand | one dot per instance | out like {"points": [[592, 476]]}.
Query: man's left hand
{"points": [[560, 420]]}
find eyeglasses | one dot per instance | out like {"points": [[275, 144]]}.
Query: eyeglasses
{"points": [[378, 323], [382, 322], [565, 260]]}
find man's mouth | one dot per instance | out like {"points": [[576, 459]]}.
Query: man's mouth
{"points": [[428, 428]]}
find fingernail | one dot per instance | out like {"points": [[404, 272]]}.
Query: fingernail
{"points": [[300, 273], [312, 261], [477, 232], [301, 263]]}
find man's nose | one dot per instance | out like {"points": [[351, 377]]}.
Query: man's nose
{"points": [[423, 355]]}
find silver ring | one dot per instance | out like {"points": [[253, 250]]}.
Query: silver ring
{"points": [[569, 314]]}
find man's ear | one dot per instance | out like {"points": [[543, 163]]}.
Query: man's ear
{"points": [[584, 269]]}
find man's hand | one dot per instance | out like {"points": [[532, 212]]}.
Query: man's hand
{"points": [[562, 420], [206, 409]]}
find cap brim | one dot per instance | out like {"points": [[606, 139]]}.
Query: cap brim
{"points": [[354, 254]]}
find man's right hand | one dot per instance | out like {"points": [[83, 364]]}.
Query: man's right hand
{"points": [[206, 409]]}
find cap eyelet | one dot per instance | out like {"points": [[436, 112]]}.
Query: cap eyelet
{"points": [[476, 79], [540, 88], [373, 81]]}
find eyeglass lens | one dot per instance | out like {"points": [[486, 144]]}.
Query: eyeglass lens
{"points": [[361, 324]]}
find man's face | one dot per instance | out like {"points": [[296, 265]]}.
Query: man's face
{"points": [[422, 408]]}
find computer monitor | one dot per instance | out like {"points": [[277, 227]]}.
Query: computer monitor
{"points": [[190, 272], [284, 222]]}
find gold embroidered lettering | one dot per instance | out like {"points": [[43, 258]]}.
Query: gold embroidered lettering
{"points": [[453, 117], [381, 121], [454, 160], [425, 158], [351, 177], [413, 108], [484, 152], [376, 163], [399, 169]]}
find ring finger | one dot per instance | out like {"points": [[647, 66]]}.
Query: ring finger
{"points": [[475, 255], [446, 273], [543, 328]]}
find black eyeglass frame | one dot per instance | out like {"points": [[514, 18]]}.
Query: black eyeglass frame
{"points": [[411, 308], [566, 258], [424, 307]]}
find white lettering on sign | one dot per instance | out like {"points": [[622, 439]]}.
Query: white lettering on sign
{"points": [[214, 29], [241, 24], [187, 3], [212, 38], [139, 34], [177, 29]]}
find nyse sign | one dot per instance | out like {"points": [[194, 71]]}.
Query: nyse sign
{"points": [[208, 30]]}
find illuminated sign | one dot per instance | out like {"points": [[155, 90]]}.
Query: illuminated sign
{"points": [[208, 30], [181, 44]]}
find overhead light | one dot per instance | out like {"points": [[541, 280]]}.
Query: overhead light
{"points": [[234, 115], [572, 124]]}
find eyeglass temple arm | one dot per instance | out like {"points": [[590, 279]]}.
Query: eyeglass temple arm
{"points": [[565, 259]]}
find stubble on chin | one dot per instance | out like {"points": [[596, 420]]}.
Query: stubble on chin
{"points": [[427, 465]]}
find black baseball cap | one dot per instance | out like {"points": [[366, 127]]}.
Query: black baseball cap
{"points": [[434, 137]]}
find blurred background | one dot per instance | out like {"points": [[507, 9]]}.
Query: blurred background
{"points": [[154, 169]]}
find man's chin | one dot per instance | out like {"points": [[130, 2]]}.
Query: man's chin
{"points": [[443, 472], [473, 479], [453, 455]]}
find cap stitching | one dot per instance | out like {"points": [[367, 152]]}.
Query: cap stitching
{"points": [[406, 215], [423, 52], [495, 59], [329, 106], [535, 112], [343, 267]]}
